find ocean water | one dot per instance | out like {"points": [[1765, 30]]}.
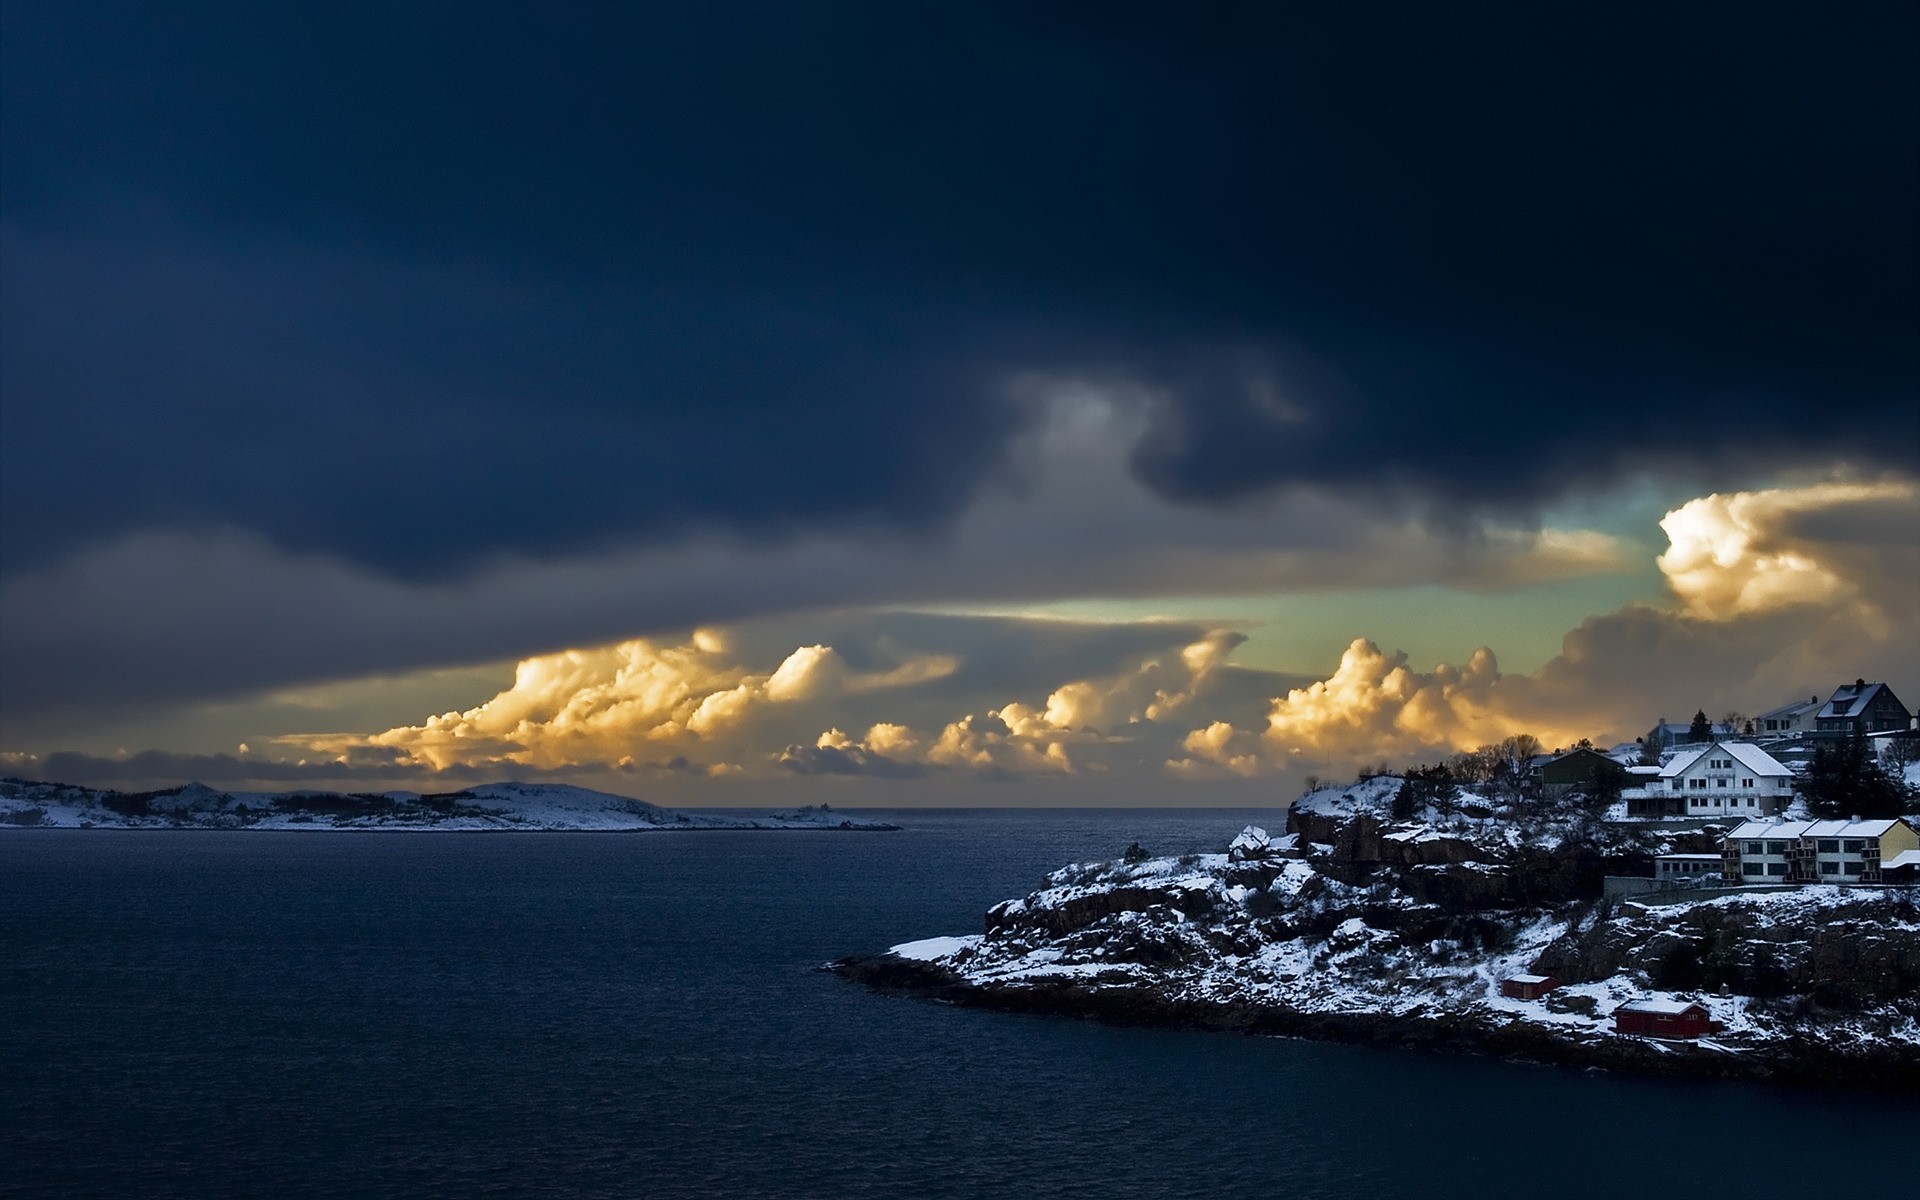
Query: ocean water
{"points": [[205, 1014]]}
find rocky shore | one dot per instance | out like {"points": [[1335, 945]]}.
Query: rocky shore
{"points": [[1356, 928]]}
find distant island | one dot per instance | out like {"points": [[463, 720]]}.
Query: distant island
{"points": [[1533, 929], [493, 806]]}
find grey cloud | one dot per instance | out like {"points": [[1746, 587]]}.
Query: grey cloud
{"points": [[167, 616]]}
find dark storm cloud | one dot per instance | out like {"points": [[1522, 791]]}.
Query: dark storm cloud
{"points": [[419, 285]]}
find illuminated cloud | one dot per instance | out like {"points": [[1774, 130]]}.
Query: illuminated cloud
{"points": [[1740, 553], [1376, 706], [628, 704], [1777, 594], [1091, 725]]}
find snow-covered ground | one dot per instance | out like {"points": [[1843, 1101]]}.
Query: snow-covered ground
{"points": [[494, 806]]}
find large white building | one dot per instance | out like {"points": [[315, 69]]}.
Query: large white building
{"points": [[1816, 851], [1726, 779]]}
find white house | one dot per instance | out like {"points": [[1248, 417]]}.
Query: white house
{"points": [[1728, 779]]}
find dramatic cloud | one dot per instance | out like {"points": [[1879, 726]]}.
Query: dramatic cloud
{"points": [[1744, 553], [166, 617], [758, 271], [1778, 594]]}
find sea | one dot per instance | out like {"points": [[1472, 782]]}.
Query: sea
{"points": [[418, 1014]]}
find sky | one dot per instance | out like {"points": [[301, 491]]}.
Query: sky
{"points": [[878, 404]]}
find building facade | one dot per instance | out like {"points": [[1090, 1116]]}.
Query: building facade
{"points": [[1789, 720], [1817, 851]]}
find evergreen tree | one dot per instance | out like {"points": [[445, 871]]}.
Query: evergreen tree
{"points": [[1842, 780], [1701, 730]]}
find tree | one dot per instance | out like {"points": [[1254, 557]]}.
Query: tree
{"points": [[1424, 786], [1701, 730], [1609, 780], [1513, 766], [1649, 753], [1842, 780]]}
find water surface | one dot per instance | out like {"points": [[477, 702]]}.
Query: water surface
{"points": [[216, 1014]]}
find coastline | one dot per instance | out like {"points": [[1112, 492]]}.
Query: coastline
{"points": [[1808, 1065]]}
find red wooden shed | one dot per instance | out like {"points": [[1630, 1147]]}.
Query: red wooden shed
{"points": [[1663, 1019], [1527, 987]]}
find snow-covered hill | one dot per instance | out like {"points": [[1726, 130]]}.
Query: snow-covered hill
{"points": [[527, 806], [1401, 934]]}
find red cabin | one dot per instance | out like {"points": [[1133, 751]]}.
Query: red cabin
{"points": [[1527, 987], [1663, 1019]]}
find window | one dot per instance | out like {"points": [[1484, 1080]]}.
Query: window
{"points": [[1722, 782], [1853, 845], [1776, 868], [1746, 783], [1753, 869], [1829, 868], [1749, 801], [1754, 848], [1855, 868], [1829, 845], [1776, 847]]}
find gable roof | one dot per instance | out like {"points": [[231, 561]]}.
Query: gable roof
{"points": [[1752, 757], [1851, 700], [1672, 1008], [1789, 710]]}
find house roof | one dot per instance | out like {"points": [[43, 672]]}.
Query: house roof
{"points": [[1687, 857], [1770, 829], [1752, 757], [1815, 829], [1906, 858], [1671, 1008], [1849, 829], [1850, 700], [1534, 979], [1789, 710]]}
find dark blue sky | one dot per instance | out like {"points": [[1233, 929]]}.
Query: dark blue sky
{"points": [[599, 277]]}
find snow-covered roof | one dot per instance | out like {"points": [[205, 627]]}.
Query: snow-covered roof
{"points": [[1671, 1008], [1682, 760], [1529, 979], [1687, 857], [1814, 829], [1752, 757], [1906, 858], [1849, 829], [1770, 829]]}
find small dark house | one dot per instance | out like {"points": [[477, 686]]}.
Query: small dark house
{"points": [[1575, 769], [1862, 708], [1663, 1019], [1527, 987]]}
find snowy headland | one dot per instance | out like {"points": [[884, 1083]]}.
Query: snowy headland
{"points": [[1357, 927], [493, 806]]}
